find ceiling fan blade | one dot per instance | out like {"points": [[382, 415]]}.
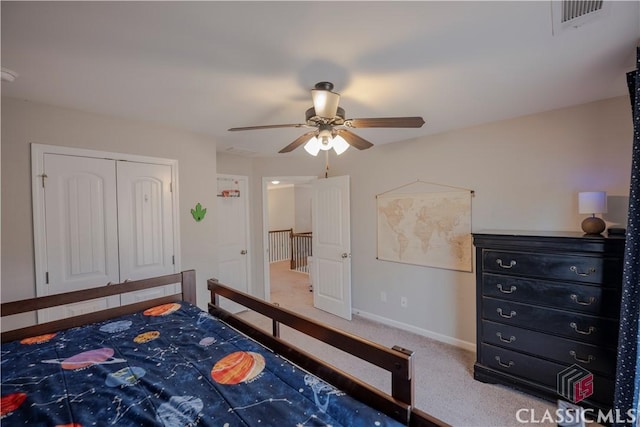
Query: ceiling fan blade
{"points": [[354, 140], [298, 142], [386, 122], [298, 125]]}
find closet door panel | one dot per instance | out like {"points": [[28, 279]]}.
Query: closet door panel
{"points": [[145, 227], [81, 230]]}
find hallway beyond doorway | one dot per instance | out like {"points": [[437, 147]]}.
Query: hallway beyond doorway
{"points": [[290, 289]]}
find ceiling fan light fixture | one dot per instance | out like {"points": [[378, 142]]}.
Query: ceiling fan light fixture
{"points": [[312, 146], [325, 103], [340, 145], [326, 143], [329, 121]]}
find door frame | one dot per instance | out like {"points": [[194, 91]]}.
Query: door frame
{"points": [[38, 204], [266, 180]]}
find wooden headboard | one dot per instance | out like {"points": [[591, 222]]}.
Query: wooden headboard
{"points": [[187, 279]]}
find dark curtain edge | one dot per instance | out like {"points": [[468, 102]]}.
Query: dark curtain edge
{"points": [[627, 385]]}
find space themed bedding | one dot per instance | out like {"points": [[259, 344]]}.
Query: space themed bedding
{"points": [[170, 365]]}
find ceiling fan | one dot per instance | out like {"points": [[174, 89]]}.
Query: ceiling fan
{"points": [[331, 127]]}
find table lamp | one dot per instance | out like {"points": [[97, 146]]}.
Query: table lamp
{"points": [[592, 202]]}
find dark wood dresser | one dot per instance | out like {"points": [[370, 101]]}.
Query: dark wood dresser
{"points": [[547, 301]]}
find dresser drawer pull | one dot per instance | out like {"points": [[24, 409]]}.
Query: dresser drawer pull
{"points": [[508, 341], [505, 365], [574, 297], [511, 263], [588, 273], [575, 328], [589, 358], [506, 316], [511, 289]]}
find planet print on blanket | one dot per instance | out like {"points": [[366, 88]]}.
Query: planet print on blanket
{"points": [[125, 376], [207, 341], [180, 411], [39, 339], [115, 327], [146, 337], [162, 310], [87, 358], [241, 366], [11, 402]]}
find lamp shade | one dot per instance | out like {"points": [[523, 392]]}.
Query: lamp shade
{"points": [[340, 145], [312, 146], [592, 202], [325, 103]]}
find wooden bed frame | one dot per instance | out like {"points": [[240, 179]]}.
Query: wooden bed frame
{"points": [[396, 360]]}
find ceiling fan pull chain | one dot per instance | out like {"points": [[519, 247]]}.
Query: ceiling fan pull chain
{"points": [[326, 168]]}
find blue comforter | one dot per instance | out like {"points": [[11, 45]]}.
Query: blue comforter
{"points": [[172, 365]]}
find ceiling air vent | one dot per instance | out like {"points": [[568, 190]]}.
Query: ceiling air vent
{"points": [[572, 14], [575, 9]]}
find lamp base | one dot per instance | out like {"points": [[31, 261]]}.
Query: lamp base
{"points": [[593, 225]]}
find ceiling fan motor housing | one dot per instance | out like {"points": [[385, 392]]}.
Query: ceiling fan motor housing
{"points": [[324, 86], [313, 119]]}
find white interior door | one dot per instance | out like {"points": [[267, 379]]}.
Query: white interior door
{"points": [[145, 226], [233, 235], [331, 247], [81, 230]]}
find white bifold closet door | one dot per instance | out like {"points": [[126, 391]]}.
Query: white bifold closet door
{"points": [[145, 226], [106, 221]]}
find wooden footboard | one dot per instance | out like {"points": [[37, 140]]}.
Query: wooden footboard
{"points": [[396, 360], [187, 279]]}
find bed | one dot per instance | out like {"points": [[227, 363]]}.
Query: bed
{"points": [[166, 362]]}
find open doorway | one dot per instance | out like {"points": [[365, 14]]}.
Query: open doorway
{"points": [[287, 235]]}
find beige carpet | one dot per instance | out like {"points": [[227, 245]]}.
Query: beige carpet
{"points": [[444, 385]]}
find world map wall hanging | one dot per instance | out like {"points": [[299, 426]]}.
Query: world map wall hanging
{"points": [[430, 229]]}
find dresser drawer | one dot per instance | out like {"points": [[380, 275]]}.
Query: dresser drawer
{"points": [[562, 350], [586, 269], [541, 371], [579, 327], [589, 299]]}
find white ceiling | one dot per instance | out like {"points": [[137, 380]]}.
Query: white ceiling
{"points": [[208, 66]]}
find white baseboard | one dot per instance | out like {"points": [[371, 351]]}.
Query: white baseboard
{"points": [[466, 345]]}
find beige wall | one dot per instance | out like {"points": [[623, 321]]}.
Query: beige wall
{"points": [[526, 173], [25, 122], [282, 207], [303, 208]]}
